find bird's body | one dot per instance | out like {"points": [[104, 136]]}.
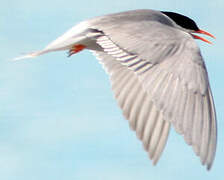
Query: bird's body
{"points": [[157, 73]]}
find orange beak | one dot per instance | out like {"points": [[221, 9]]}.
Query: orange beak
{"points": [[201, 38]]}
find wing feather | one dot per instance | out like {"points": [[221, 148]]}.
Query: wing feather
{"points": [[213, 132], [137, 106], [162, 141], [144, 114], [156, 134]]}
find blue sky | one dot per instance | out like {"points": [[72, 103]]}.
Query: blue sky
{"points": [[58, 118]]}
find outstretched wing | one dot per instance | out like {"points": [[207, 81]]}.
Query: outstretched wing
{"points": [[169, 67], [137, 106]]}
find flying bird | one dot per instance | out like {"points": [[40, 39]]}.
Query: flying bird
{"points": [[157, 73]]}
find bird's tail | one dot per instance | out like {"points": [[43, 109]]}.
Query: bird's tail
{"points": [[31, 55], [74, 36]]}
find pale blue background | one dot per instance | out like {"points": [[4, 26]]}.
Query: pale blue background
{"points": [[58, 118]]}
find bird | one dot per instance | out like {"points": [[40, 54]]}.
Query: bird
{"points": [[157, 73]]}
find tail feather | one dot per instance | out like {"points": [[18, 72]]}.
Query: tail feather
{"points": [[76, 35], [31, 55]]}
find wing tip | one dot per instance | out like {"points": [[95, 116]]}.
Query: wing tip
{"points": [[209, 166]]}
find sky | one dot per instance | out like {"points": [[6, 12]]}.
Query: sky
{"points": [[58, 117]]}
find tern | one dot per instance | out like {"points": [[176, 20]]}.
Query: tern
{"points": [[157, 74]]}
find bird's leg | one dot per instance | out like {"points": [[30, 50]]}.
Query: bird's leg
{"points": [[75, 49]]}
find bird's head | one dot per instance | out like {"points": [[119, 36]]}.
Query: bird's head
{"points": [[188, 25]]}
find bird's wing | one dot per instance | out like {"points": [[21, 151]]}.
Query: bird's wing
{"points": [[137, 106], [171, 70]]}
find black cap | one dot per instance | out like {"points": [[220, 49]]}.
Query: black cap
{"points": [[181, 20]]}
